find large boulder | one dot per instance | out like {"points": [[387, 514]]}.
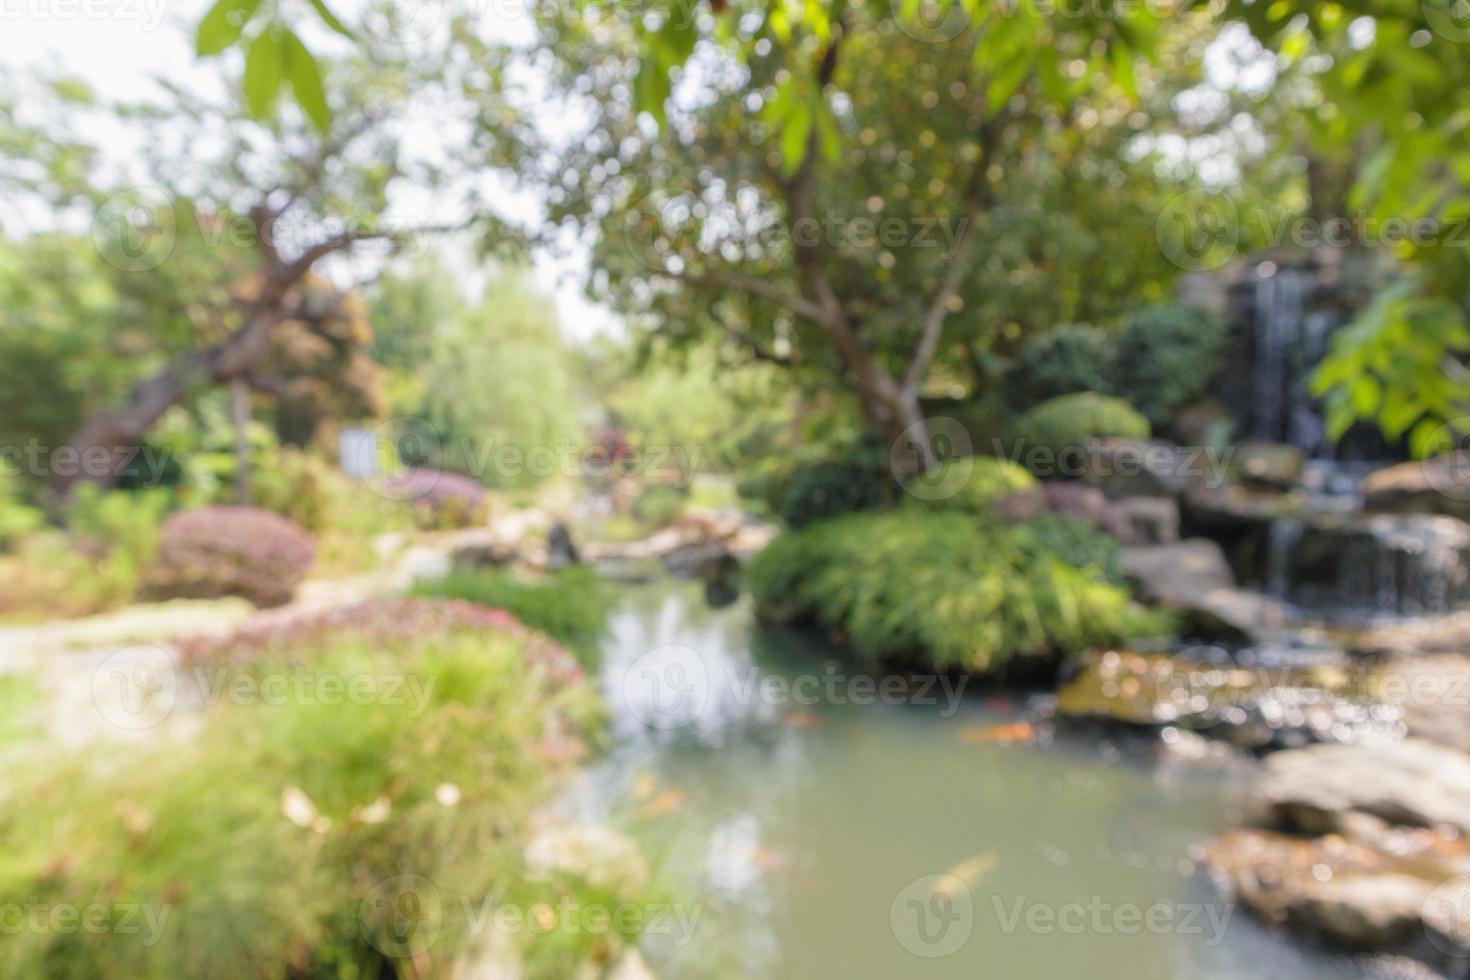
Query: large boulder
{"points": [[1413, 782], [1433, 486], [1149, 520], [1177, 574]]}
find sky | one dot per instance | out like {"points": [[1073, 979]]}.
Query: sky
{"points": [[119, 45]]}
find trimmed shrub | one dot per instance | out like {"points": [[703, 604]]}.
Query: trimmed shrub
{"points": [[976, 485], [440, 499], [571, 605], [940, 588], [817, 491], [230, 551], [1065, 360], [1167, 356], [660, 505], [1066, 424], [296, 837]]}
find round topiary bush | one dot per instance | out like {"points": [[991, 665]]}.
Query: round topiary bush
{"points": [[1167, 356], [817, 491], [1062, 426], [979, 485], [230, 551], [1063, 361]]}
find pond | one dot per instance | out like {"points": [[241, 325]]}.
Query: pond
{"points": [[804, 839]]}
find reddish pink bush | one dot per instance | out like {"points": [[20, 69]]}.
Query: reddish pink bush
{"points": [[449, 499], [384, 620], [230, 551]]}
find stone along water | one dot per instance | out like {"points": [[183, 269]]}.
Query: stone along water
{"points": [[808, 835]]}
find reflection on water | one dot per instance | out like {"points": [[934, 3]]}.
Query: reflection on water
{"points": [[873, 841]]}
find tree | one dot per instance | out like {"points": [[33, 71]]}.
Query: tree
{"points": [[255, 209]]}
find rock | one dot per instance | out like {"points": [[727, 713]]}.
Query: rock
{"points": [[1412, 638], [1150, 520], [561, 550], [1366, 911], [478, 555], [1235, 617], [1413, 782], [1267, 465], [1397, 564], [1177, 574], [1434, 486], [1434, 696], [1085, 503], [1142, 468]]}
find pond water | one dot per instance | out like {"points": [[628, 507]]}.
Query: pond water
{"points": [[803, 839]]}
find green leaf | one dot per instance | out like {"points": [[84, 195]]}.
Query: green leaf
{"points": [[1428, 438], [264, 63], [221, 26], [828, 134], [330, 19], [794, 137], [306, 81]]}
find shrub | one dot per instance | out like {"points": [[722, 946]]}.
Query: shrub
{"points": [[1075, 542], [1064, 425], [817, 491], [1167, 356], [275, 837], [660, 505], [1065, 360], [17, 518], [441, 499], [975, 485], [941, 587], [231, 551], [571, 605]]}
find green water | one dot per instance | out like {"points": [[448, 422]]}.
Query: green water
{"points": [[802, 836]]}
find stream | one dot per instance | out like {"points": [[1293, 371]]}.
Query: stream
{"points": [[803, 839]]}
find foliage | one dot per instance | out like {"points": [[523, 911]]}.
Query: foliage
{"points": [[974, 485], [17, 518], [1078, 543], [660, 504], [501, 395], [231, 551], [1062, 361], [1398, 365], [570, 605], [1167, 356], [940, 587], [1069, 423], [266, 838], [817, 491], [439, 499]]}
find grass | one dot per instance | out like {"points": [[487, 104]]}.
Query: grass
{"points": [[570, 605]]}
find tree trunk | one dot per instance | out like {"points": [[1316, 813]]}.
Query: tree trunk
{"points": [[240, 418], [118, 435]]}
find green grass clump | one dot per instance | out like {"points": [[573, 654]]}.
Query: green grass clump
{"points": [[260, 846], [940, 587], [570, 606]]}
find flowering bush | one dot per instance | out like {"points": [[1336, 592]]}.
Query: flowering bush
{"points": [[231, 551], [442, 499]]}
